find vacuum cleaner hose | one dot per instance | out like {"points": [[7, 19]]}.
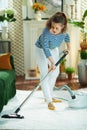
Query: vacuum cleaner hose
{"points": [[67, 88]]}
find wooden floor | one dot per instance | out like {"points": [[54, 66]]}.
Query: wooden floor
{"points": [[23, 84]]}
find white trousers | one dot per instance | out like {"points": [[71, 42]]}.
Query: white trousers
{"points": [[42, 62]]}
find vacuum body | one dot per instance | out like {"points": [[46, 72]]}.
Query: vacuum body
{"points": [[82, 72], [79, 102], [78, 99]]}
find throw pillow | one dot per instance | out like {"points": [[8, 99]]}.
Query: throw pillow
{"points": [[5, 62]]}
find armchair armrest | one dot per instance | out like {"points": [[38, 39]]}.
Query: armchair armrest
{"points": [[12, 61]]}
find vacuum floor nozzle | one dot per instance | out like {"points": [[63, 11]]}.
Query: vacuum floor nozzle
{"points": [[73, 97], [13, 116]]}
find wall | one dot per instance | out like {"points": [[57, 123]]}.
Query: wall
{"points": [[16, 36]]}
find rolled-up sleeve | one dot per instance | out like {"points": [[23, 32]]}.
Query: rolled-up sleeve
{"points": [[67, 38]]}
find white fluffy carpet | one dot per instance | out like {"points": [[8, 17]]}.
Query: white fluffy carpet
{"points": [[38, 117]]}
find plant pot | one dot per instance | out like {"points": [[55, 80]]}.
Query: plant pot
{"points": [[32, 73], [83, 45], [82, 72], [62, 76], [62, 68], [69, 76]]}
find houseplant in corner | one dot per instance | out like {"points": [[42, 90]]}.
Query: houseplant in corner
{"points": [[82, 66], [83, 27], [69, 71]]}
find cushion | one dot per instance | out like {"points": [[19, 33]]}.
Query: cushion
{"points": [[5, 62]]}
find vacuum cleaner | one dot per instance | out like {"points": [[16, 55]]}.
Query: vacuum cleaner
{"points": [[74, 97], [15, 114], [80, 98]]}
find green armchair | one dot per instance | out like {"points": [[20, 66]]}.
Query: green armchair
{"points": [[7, 84]]}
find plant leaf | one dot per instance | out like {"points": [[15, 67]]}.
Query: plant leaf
{"points": [[84, 15], [77, 23]]}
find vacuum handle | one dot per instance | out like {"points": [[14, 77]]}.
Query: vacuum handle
{"points": [[65, 53]]}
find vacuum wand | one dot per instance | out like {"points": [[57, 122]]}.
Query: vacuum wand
{"points": [[16, 115], [37, 86]]}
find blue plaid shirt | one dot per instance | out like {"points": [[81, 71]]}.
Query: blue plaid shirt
{"points": [[48, 41]]}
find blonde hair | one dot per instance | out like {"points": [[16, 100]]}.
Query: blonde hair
{"points": [[58, 17]]}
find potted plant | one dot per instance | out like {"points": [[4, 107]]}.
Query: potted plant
{"points": [[83, 27], [69, 71], [83, 54], [82, 66], [7, 15]]}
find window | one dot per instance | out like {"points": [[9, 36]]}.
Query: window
{"points": [[83, 8], [52, 6], [83, 5], [3, 4]]}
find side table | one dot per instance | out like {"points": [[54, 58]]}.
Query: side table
{"points": [[5, 45]]}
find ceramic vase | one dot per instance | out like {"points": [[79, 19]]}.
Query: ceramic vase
{"points": [[38, 15], [4, 33]]}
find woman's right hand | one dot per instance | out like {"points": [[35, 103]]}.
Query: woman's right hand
{"points": [[53, 67]]}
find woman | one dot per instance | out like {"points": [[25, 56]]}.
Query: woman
{"points": [[47, 52]]}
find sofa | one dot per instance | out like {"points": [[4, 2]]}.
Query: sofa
{"points": [[7, 82]]}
